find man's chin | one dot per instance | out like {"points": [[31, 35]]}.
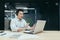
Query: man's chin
{"points": [[20, 18]]}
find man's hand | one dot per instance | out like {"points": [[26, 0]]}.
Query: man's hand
{"points": [[20, 29], [26, 26]]}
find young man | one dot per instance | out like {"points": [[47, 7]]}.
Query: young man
{"points": [[18, 23]]}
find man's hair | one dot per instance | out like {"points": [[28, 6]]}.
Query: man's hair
{"points": [[18, 11]]}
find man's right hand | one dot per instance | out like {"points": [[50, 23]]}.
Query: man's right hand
{"points": [[20, 29]]}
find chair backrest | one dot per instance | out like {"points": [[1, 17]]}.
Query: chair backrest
{"points": [[7, 24]]}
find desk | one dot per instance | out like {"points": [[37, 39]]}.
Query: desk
{"points": [[46, 35]]}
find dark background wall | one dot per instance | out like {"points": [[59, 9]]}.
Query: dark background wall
{"points": [[1, 15], [46, 10], [59, 15]]}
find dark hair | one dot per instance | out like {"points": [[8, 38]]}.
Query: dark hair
{"points": [[18, 11]]}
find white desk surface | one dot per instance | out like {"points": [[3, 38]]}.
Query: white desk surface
{"points": [[46, 35]]}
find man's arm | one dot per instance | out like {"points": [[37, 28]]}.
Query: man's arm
{"points": [[20, 29], [13, 25]]}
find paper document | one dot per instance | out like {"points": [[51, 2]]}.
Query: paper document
{"points": [[11, 34], [21, 36], [2, 34], [28, 36]]}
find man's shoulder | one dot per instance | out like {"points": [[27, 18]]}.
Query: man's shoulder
{"points": [[14, 19], [23, 19]]}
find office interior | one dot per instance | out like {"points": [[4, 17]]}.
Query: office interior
{"points": [[34, 9]]}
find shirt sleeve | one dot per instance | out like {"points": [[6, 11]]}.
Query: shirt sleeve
{"points": [[13, 26]]}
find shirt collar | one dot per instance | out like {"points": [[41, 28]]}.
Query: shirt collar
{"points": [[18, 19]]}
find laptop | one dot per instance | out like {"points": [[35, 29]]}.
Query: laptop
{"points": [[38, 27]]}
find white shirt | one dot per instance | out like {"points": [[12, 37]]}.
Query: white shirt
{"points": [[16, 24]]}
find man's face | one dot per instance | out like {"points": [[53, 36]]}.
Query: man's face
{"points": [[20, 14]]}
